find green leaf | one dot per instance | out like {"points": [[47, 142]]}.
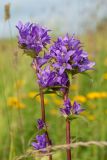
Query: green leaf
{"points": [[45, 92], [83, 118], [40, 132], [72, 117], [30, 53], [51, 91], [87, 75], [69, 76]]}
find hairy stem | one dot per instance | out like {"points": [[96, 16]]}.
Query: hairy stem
{"points": [[68, 134], [68, 138], [42, 104], [43, 112], [43, 116]]}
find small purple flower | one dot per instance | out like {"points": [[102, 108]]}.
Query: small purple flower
{"points": [[40, 124], [40, 142], [70, 109], [32, 36], [69, 56], [43, 60], [38, 62], [77, 108], [66, 111], [50, 78]]}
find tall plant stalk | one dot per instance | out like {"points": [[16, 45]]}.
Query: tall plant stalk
{"points": [[43, 112], [62, 60], [68, 138], [68, 134], [43, 116]]}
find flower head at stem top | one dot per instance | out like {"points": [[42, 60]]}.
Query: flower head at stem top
{"points": [[69, 56], [40, 124], [69, 109], [50, 78], [32, 37], [40, 142]]}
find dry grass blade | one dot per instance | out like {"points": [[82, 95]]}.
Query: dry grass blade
{"points": [[7, 11], [39, 153]]}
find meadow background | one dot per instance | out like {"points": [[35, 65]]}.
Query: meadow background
{"points": [[19, 109]]}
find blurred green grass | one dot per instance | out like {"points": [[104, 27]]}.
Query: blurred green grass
{"points": [[17, 126]]}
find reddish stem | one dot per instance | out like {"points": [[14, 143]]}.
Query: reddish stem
{"points": [[68, 134], [68, 138], [42, 104], [43, 116], [43, 109]]}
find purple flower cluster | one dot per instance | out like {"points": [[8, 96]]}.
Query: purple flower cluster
{"points": [[69, 56], [70, 109], [63, 56], [51, 78], [40, 142], [40, 124], [32, 37]]}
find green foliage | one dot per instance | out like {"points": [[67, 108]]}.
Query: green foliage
{"points": [[17, 126]]}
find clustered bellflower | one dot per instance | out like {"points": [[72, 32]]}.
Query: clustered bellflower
{"points": [[51, 78], [53, 65], [70, 109], [69, 56], [65, 56], [40, 142], [32, 37], [40, 124]]}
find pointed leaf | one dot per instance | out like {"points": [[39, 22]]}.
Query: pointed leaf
{"points": [[88, 76]]}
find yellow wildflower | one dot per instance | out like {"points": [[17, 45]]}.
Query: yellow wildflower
{"points": [[20, 105], [105, 76], [14, 102], [32, 94], [53, 112], [38, 99], [103, 94], [57, 102], [19, 84], [93, 95], [80, 98], [91, 117]]}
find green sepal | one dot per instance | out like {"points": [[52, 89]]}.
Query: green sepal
{"points": [[50, 91], [83, 118], [45, 92], [72, 117], [41, 131], [30, 53], [69, 76]]}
